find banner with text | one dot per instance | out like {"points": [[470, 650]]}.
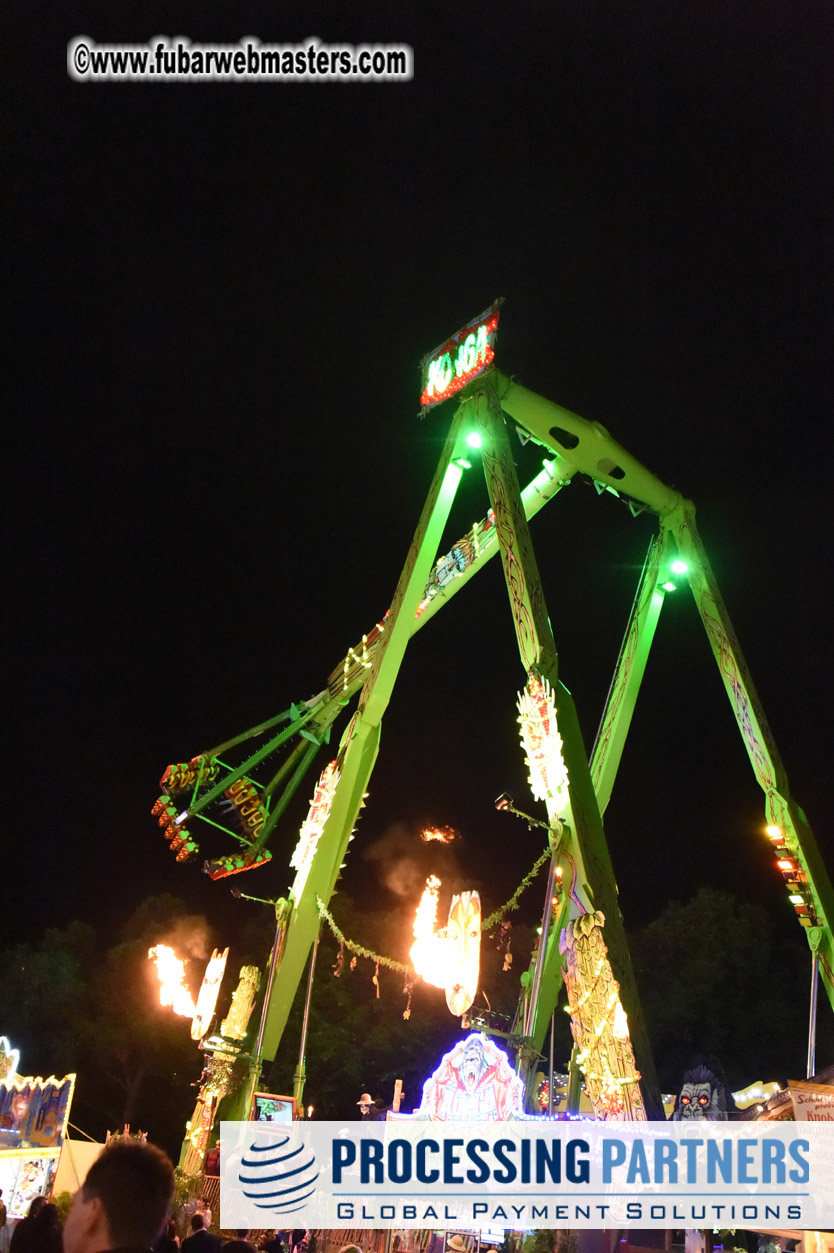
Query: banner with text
{"points": [[525, 1175]]}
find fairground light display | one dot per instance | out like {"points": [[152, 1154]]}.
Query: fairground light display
{"points": [[34, 1114]]}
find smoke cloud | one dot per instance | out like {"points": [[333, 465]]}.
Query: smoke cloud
{"points": [[402, 862], [190, 937]]}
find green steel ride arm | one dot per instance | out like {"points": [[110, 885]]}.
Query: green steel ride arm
{"points": [[314, 718], [587, 447], [583, 846], [628, 672], [815, 903], [360, 742], [584, 446]]}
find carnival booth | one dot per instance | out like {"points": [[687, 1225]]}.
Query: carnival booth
{"points": [[34, 1114]]}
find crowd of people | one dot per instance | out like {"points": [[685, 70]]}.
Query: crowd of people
{"points": [[125, 1206]]}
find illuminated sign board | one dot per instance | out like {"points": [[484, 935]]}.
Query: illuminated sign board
{"points": [[34, 1112], [33, 1120], [462, 358]]}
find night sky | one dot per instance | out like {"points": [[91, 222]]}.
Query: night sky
{"points": [[220, 294]]}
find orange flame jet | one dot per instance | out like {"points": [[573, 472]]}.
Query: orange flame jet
{"points": [[171, 972]]}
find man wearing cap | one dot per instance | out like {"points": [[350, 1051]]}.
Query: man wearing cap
{"points": [[369, 1111]]}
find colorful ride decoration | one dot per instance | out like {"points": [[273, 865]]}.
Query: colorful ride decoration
{"points": [[356, 661], [34, 1114], [463, 943], [187, 776], [9, 1060], [473, 1083], [236, 863], [224, 1071], [704, 1094], [541, 741], [312, 827], [458, 560], [236, 1023], [244, 804], [209, 991], [598, 1023], [198, 1130]]}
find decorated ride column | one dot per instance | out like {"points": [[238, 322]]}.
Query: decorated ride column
{"points": [[804, 870], [561, 778]]}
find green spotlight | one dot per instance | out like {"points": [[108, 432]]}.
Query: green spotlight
{"points": [[463, 463], [668, 586], [679, 567], [473, 440]]}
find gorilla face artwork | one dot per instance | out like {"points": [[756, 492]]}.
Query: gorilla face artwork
{"points": [[474, 1065], [704, 1094], [473, 1083], [699, 1100]]}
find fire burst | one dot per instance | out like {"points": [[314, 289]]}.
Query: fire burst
{"points": [[171, 972], [449, 958], [429, 951], [443, 835]]}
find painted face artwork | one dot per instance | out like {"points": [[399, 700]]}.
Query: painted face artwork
{"points": [[704, 1094], [474, 1065], [700, 1100], [463, 934], [473, 1083]]}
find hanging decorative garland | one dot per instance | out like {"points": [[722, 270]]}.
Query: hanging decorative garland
{"points": [[411, 975], [357, 949], [512, 903]]}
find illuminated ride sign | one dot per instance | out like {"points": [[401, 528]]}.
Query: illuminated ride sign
{"points": [[462, 358]]}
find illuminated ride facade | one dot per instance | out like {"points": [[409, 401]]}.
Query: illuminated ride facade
{"points": [[34, 1114], [582, 946]]}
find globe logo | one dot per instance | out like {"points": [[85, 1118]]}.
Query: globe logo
{"points": [[278, 1179]]}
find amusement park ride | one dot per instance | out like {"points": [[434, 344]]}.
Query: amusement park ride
{"points": [[582, 943]]}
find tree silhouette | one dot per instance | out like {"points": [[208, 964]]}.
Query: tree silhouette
{"points": [[718, 976]]}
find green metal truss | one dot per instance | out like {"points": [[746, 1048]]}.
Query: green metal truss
{"points": [[495, 404]]}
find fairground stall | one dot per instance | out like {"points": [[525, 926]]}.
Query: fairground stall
{"points": [[34, 1114]]}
